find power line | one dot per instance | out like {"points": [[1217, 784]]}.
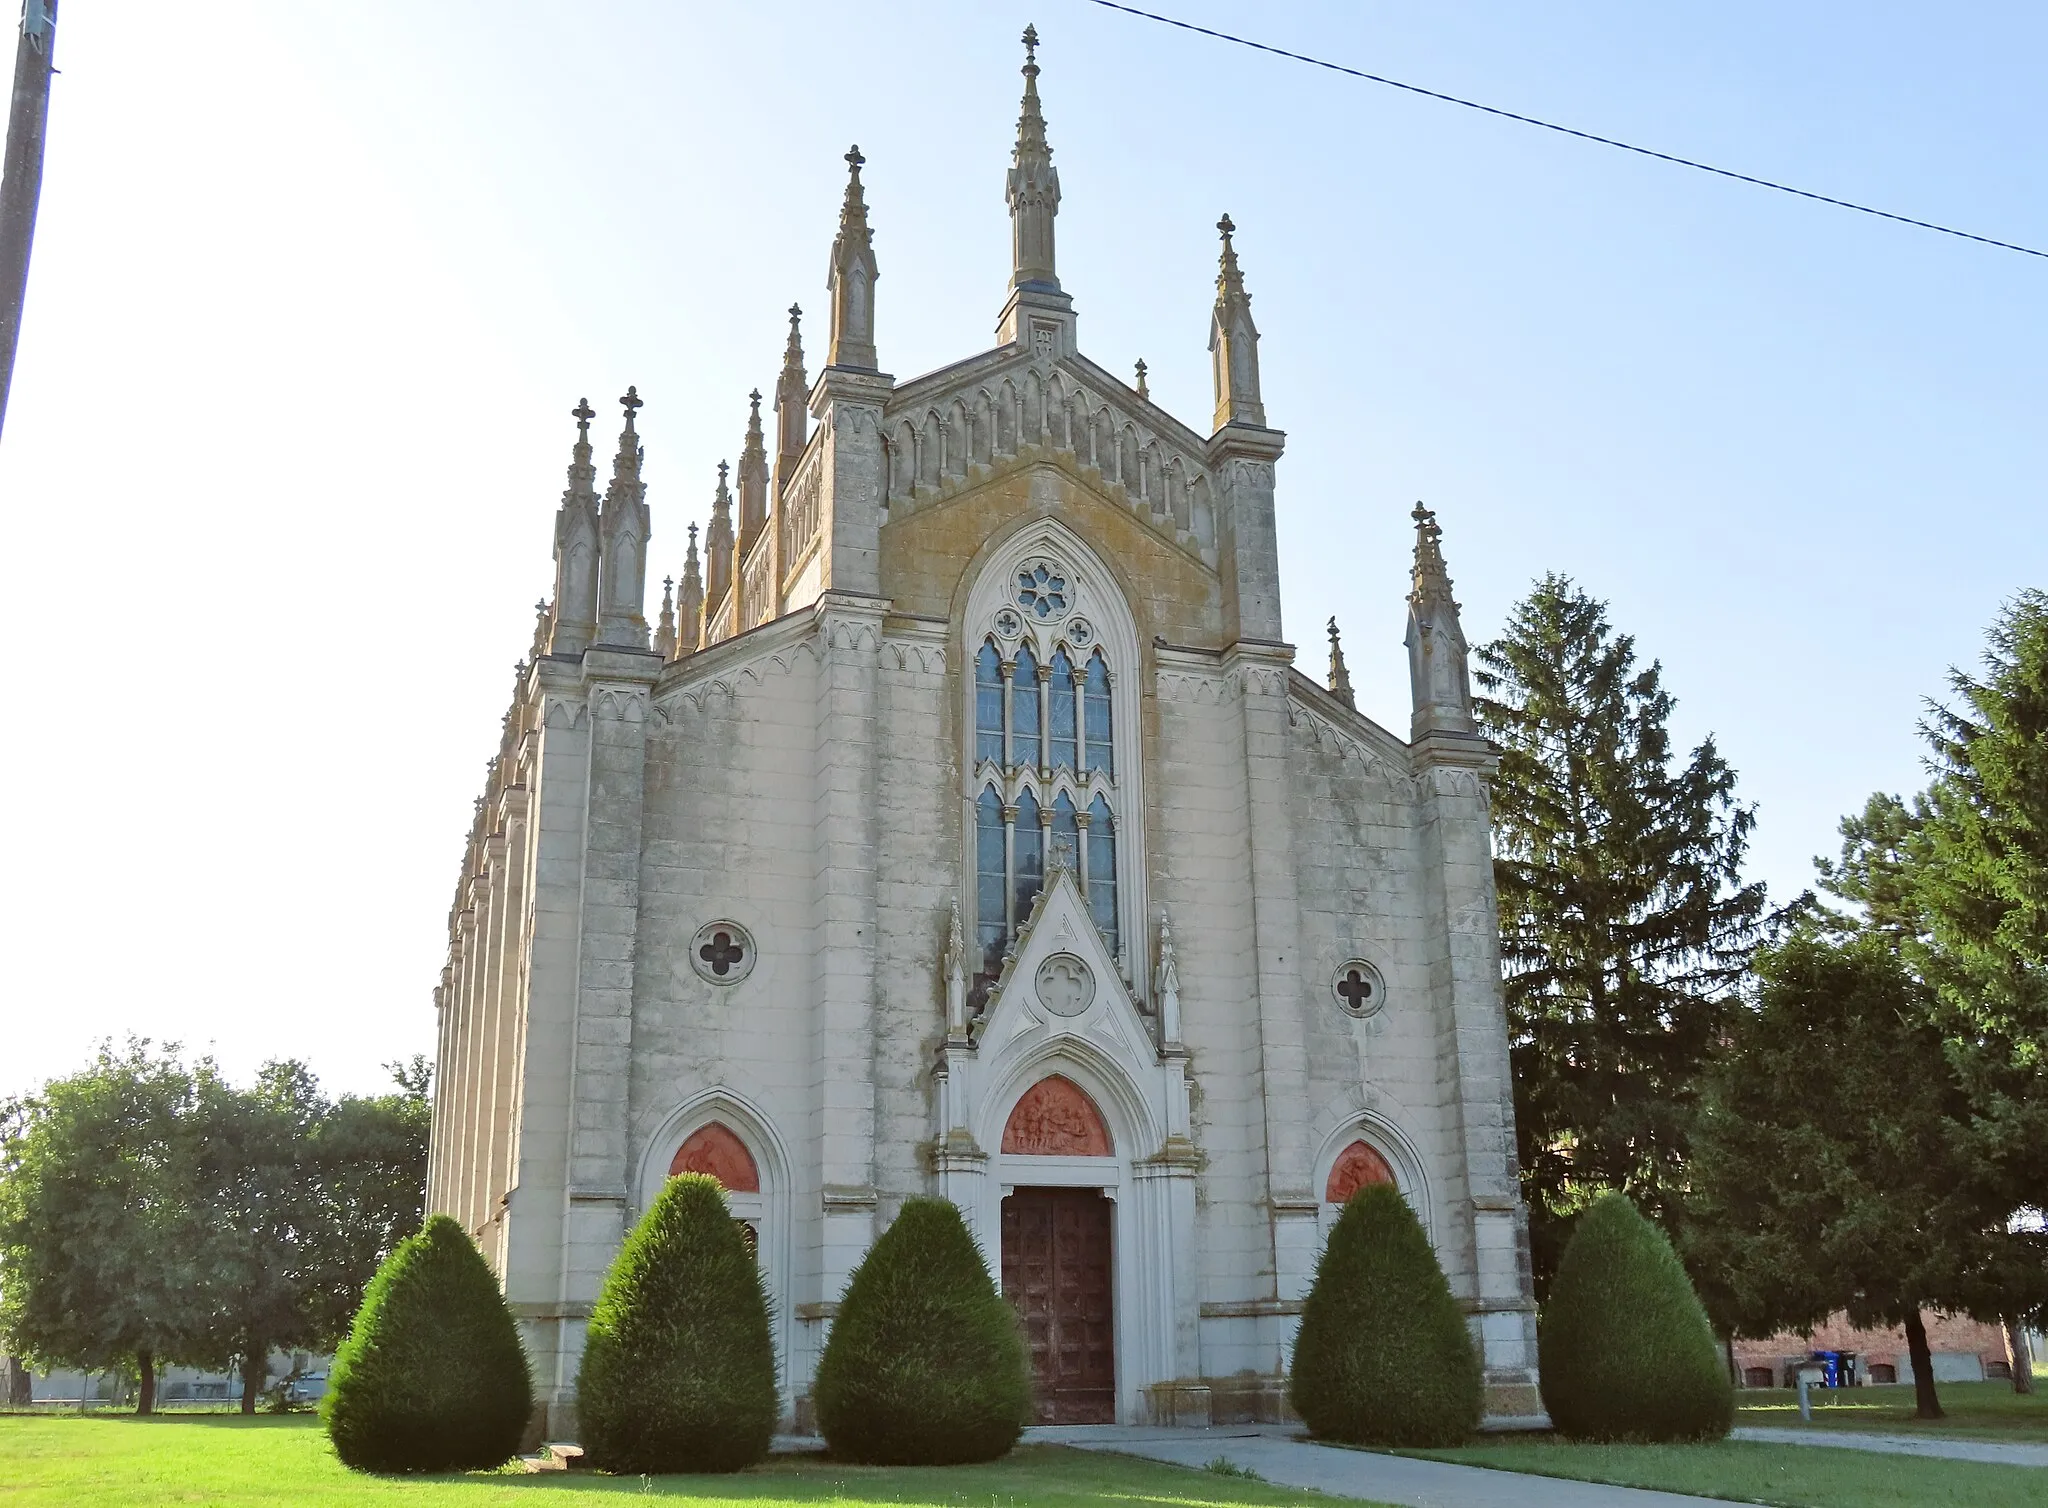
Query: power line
{"points": [[1530, 120]]}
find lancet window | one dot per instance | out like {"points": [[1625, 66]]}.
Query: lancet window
{"points": [[1045, 787]]}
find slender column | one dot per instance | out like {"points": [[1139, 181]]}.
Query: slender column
{"points": [[491, 1016], [1010, 869], [599, 1153], [1261, 672], [1007, 669], [557, 770], [465, 1063], [477, 1154], [845, 926], [511, 893], [1045, 721], [1495, 1285], [438, 1133]]}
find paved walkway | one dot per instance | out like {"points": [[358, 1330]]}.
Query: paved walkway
{"points": [[1289, 1462], [1994, 1452]]}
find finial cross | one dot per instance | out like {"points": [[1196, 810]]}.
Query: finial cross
{"points": [[1333, 630], [583, 413], [1030, 43], [854, 159], [631, 402], [1226, 227]]}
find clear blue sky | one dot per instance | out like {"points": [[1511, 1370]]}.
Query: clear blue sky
{"points": [[316, 286]]}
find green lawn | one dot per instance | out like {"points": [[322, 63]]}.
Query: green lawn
{"points": [[1793, 1476], [1976, 1411], [105, 1460]]}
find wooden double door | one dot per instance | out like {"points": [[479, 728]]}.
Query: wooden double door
{"points": [[1057, 1272]]}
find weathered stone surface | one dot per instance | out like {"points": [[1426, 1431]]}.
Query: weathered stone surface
{"points": [[812, 780]]}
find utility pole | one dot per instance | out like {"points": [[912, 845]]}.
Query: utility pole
{"points": [[21, 175]]}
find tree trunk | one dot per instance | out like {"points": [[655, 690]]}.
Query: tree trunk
{"points": [[1728, 1351], [145, 1370], [20, 1387], [255, 1369], [1926, 1404], [2020, 1355]]}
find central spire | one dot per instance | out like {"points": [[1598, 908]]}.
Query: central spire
{"points": [[1033, 188]]}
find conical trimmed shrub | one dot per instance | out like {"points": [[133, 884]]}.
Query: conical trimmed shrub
{"points": [[432, 1376], [679, 1365], [1383, 1356], [925, 1364], [1624, 1345]]}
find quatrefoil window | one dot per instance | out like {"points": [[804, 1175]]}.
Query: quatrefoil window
{"points": [[1042, 590], [1359, 988], [722, 952]]}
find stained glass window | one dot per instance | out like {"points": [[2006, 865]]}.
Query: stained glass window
{"points": [[1096, 754], [1062, 700], [1102, 871], [1029, 855], [1024, 708], [1066, 832], [988, 705], [991, 875]]}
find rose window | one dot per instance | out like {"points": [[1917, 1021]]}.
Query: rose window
{"points": [[1042, 591]]}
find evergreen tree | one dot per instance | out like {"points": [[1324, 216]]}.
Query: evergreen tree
{"points": [[1876, 872], [1980, 876], [1383, 1356], [679, 1366], [925, 1364], [1626, 926], [432, 1376], [1624, 1348], [1836, 1165]]}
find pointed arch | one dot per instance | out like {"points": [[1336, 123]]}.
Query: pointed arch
{"points": [[903, 461], [713, 1149], [1176, 499], [1007, 404], [1358, 1166], [959, 429], [1202, 513], [1056, 1118]]}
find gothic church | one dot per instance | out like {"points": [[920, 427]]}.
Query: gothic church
{"points": [[963, 826]]}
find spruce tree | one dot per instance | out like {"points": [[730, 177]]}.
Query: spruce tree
{"points": [[925, 1364], [432, 1377], [1836, 1164], [1383, 1356], [1980, 880], [1624, 1346], [1626, 925], [679, 1364]]}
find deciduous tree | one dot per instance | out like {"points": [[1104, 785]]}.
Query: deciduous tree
{"points": [[99, 1242], [1836, 1165]]}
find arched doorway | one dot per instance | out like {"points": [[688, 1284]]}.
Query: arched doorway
{"points": [[1357, 1166], [714, 1150], [1058, 1257]]}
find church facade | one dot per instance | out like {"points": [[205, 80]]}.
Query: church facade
{"points": [[962, 826]]}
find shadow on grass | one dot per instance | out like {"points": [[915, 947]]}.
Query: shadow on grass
{"points": [[1033, 1474], [207, 1417]]}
